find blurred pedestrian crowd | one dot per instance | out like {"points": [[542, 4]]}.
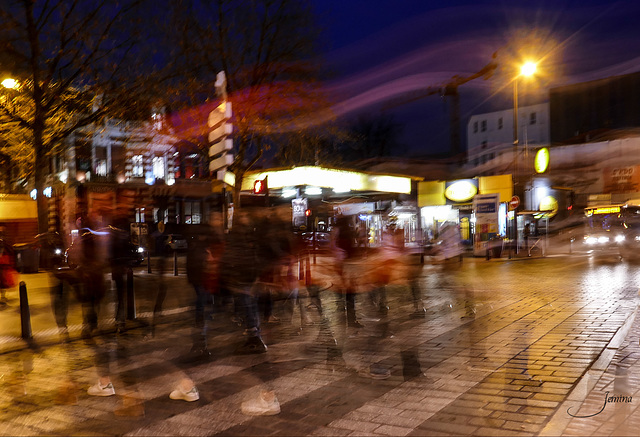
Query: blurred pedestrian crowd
{"points": [[252, 274]]}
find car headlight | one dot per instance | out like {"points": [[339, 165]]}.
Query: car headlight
{"points": [[140, 249], [619, 238], [58, 251], [591, 240], [603, 240]]}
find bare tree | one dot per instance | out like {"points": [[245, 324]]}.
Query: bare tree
{"points": [[264, 47], [74, 63], [313, 146], [372, 137]]}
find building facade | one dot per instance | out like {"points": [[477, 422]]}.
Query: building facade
{"points": [[129, 174]]}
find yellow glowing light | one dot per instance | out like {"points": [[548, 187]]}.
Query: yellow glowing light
{"points": [[10, 83], [549, 205], [541, 161], [340, 180], [461, 191], [607, 210], [528, 69]]}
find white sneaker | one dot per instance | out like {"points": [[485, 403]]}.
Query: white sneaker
{"points": [[101, 390], [189, 396], [265, 405]]}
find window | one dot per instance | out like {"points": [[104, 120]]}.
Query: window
{"points": [[160, 215], [532, 118], [483, 126], [158, 167], [101, 168], [137, 169], [484, 144], [139, 215], [157, 121], [500, 123], [192, 214], [475, 127]]}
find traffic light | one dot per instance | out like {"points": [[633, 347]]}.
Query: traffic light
{"points": [[260, 186], [307, 213]]}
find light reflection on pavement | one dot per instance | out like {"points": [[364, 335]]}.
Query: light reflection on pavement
{"points": [[502, 346]]}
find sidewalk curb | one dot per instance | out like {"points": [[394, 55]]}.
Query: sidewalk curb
{"points": [[560, 419]]}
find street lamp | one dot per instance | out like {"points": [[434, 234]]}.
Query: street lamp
{"points": [[527, 69], [9, 83]]}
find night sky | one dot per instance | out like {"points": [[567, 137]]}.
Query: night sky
{"points": [[378, 49]]}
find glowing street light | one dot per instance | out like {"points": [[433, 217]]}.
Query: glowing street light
{"points": [[9, 83], [528, 69]]}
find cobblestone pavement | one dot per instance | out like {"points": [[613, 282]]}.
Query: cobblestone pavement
{"points": [[506, 348]]}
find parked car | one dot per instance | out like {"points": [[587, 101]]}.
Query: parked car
{"points": [[322, 240], [175, 242], [137, 254], [51, 249], [44, 251], [102, 239]]}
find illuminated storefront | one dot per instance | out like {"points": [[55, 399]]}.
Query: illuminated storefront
{"points": [[442, 202], [373, 200]]}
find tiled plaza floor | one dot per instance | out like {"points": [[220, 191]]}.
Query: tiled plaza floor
{"points": [[502, 350]]}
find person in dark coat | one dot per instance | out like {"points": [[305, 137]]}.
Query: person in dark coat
{"points": [[240, 268], [196, 268], [346, 254], [120, 258]]}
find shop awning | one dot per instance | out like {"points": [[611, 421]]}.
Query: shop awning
{"points": [[18, 210]]}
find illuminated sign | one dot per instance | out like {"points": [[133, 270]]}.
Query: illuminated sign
{"points": [[604, 210], [541, 162], [338, 180], [461, 191], [549, 205], [298, 216]]}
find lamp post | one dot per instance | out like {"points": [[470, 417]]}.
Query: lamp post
{"points": [[527, 69]]}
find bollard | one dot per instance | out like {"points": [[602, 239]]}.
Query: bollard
{"points": [[175, 263], [307, 279], [300, 268], [131, 297], [315, 247], [148, 262], [25, 314]]}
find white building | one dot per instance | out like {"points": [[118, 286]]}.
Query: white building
{"points": [[490, 137]]}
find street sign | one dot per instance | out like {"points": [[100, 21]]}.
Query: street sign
{"points": [[220, 141], [514, 203]]}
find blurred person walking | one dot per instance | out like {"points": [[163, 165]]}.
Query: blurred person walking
{"points": [[120, 259], [8, 273], [239, 272], [197, 253], [346, 265]]}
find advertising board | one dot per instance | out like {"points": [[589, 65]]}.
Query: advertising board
{"points": [[485, 207]]}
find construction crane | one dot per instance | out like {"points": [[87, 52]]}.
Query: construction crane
{"points": [[448, 90]]}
